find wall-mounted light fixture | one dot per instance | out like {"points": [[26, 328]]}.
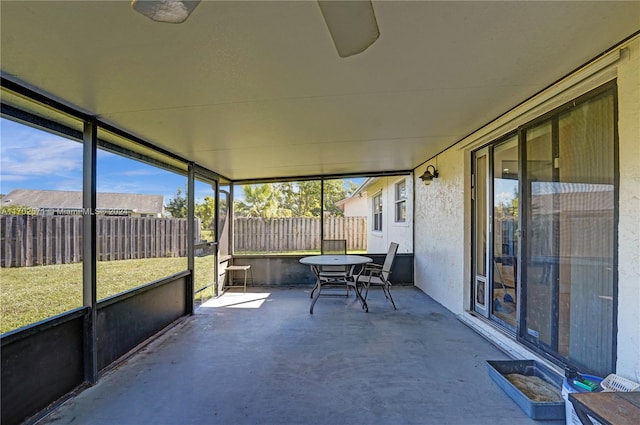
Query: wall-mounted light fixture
{"points": [[429, 175]]}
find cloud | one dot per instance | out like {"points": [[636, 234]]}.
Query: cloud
{"points": [[115, 185], [68, 185], [141, 172], [44, 157], [33, 158], [13, 178]]}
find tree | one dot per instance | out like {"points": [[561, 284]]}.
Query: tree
{"points": [[301, 199], [259, 201], [206, 211], [177, 206], [293, 199], [335, 191]]}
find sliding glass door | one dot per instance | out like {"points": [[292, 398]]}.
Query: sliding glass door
{"points": [[544, 232], [569, 267]]}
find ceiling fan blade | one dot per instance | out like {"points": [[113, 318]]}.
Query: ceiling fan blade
{"points": [[170, 11], [352, 25]]}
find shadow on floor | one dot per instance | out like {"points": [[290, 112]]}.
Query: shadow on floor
{"points": [[261, 358]]}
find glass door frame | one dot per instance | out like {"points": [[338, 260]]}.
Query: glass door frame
{"points": [[487, 175], [495, 149], [214, 180], [480, 287], [526, 335]]}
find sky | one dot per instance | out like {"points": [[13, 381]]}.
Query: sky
{"points": [[35, 159]]}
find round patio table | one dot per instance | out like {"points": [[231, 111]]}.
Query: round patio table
{"points": [[316, 262]]}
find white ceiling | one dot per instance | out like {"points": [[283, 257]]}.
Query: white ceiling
{"points": [[256, 89]]}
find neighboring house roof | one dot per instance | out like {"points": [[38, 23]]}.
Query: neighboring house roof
{"points": [[73, 200], [366, 183], [356, 204], [357, 192]]}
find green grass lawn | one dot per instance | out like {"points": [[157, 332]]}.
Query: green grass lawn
{"points": [[31, 294]]}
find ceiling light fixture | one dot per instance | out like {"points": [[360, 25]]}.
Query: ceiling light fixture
{"points": [[352, 25], [169, 11]]}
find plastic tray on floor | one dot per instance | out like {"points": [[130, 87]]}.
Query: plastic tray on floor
{"points": [[535, 410]]}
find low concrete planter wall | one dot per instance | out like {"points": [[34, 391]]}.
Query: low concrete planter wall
{"points": [[287, 270]]}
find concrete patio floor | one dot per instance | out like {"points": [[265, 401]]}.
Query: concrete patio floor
{"points": [[261, 358]]}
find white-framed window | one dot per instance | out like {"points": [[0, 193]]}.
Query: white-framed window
{"points": [[377, 212], [400, 201]]}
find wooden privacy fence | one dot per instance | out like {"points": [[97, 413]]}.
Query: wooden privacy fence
{"points": [[297, 234], [37, 240]]}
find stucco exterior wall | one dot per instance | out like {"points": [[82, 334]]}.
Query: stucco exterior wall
{"points": [[628, 69], [356, 206], [440, 231], [443, 209]]}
